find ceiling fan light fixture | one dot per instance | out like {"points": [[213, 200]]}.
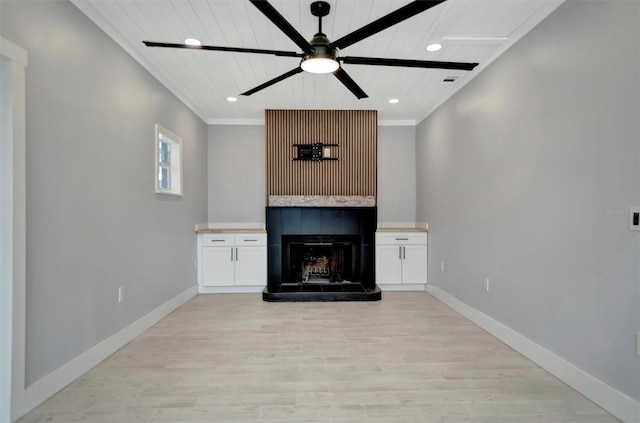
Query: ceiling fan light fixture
{"points": [[192, 42], [319, 64]]}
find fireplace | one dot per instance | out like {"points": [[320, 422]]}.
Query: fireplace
{"points": [[321, 254], [321, 259]]}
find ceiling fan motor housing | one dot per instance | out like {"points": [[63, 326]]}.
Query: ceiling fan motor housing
{"points": [[322, 58], [320, 44]]}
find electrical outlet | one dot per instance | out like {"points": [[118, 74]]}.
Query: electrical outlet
{"points": [[634, 218], [486, 284], [442, 266], [121, 294]]}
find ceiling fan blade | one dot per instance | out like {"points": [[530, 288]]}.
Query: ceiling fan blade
{"points": [[385, 22], [273, 81], [346, 80], [231, 49], [376, 61], [274, 16]]}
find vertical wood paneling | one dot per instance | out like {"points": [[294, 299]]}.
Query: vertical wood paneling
{"points": [[353, 174]]}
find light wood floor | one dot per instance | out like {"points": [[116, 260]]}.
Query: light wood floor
{"points": [[235, 358]]}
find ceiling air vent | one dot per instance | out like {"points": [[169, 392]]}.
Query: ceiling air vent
{"points": [[450, 79]]}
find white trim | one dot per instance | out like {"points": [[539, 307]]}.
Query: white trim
{"points": [[615, 402], [11, 51], [255, 122], [12, 377], [174, 166], [6, 237], [397, 123], [42, 389]]}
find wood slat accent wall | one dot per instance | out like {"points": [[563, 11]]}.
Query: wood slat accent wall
{"points": [[353, 174]]}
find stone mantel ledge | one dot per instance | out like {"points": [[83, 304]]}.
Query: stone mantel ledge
{"points": [[321, 201]]}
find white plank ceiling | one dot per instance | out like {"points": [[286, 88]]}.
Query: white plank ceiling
{"points": [[469, 30]]}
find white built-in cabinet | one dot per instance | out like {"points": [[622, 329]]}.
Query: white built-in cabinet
{"points": [[401, 260], [233, 261]]}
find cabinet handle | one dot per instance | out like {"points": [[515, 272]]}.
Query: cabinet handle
{"points": [[404, 252], [250, 240], [402, 239], [232, 254], [236, 253], [399, 253], [217, 240]]}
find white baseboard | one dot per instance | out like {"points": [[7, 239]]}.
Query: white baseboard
{"points": [[39, 391], [615, 402]]}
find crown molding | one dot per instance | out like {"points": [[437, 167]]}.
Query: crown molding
{"points": [[250, 122]]}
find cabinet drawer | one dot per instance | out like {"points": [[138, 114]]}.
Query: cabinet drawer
{"points": [[251, 239], [401, 238], [217, 240]]}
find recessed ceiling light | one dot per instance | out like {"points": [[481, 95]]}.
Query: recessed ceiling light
{"points": [[192, 42], [232, 99], [394, 101], [434, 47]]}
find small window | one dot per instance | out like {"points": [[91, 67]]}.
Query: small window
{"points": [[168, 162]]}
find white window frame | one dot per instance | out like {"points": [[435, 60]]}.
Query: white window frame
{"points": [[173, 164]]}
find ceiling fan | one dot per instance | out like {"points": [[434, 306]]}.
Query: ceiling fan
{"points": [[321, 55]]}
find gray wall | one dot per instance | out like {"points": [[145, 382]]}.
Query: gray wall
{"points": [[396, 174], [94, 222], [236, 166], [526, 175], [236, 177]]}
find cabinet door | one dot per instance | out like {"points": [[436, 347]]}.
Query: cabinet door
{"points": [[388, 262], [217, 266], [414, 264], [251, 266]]}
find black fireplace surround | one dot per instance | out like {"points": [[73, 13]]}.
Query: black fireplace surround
{"points": [[321, 254]]}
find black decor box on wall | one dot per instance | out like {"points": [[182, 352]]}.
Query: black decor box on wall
{"points": [[356, 222]]}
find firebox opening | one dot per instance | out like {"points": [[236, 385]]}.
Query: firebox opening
{"points": [[321, 259]]}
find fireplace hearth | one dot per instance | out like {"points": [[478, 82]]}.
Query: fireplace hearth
{"points": [[321, 254]]}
